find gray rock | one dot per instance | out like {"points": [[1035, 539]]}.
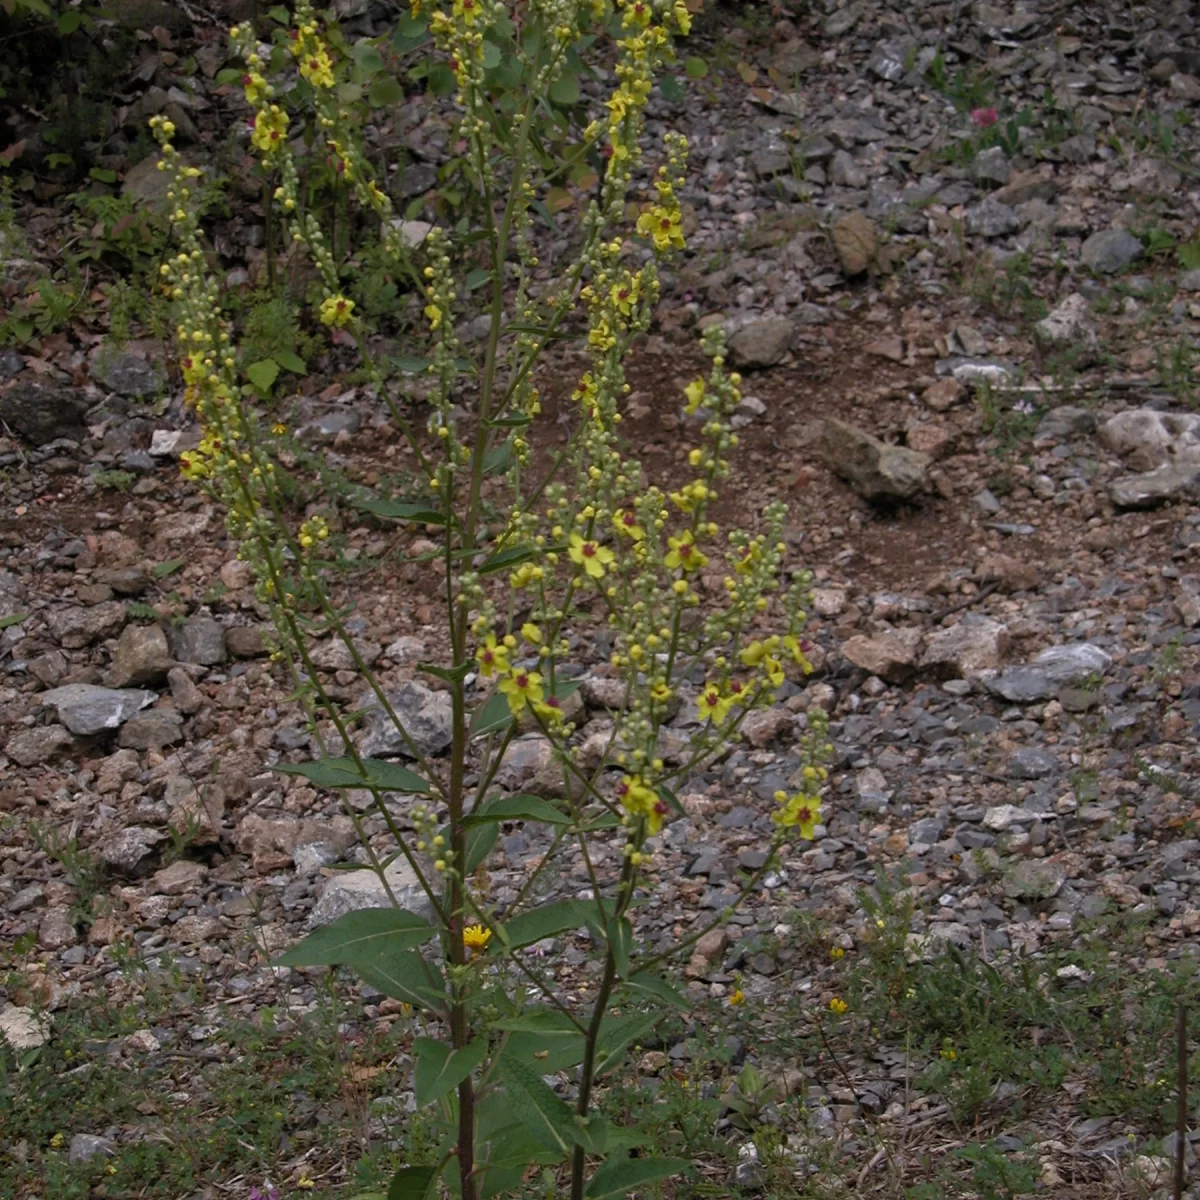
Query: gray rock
{"points": [[1110, 251], [86, 1146], [246, 641], [845, 171], [141, 657], [926, 831], [352, 891], [1065, 422], [1163, 486], [991, 166], [975, 644], [856, 242], [1052, 670], [41, 412], [761, 343], [1034, 879], [991, 219], [1002, 817], [426, 715], [1068, 325], [199, 640], [124, 850], [1031, 762], [1148, 438], [33, 747], [152, 730], [74, 628], [11, 363], [841, 22], [334, 655], [1189, 281], [875, 470], [125, 373], [186, 695], [86, 709]]}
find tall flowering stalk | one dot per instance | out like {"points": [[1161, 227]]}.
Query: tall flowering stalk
{"points": [[592, 531]]}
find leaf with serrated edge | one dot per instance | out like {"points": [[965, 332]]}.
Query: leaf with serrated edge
{"points": [[359, 937], [619, 1177]]}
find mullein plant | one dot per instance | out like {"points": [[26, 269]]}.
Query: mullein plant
{"points": [[590, 539]]}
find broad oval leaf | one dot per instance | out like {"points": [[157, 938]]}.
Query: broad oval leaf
{"points": [[263, 374], [620, 1176], [385, 90], [402, 510], [529, 927], [359, 937], [513, 556], [407, 976], [344, 773], [517, 808], [411, 1183], [545, 1115], [492, 715]]}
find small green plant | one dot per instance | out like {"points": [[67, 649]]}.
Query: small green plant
{"points": [[115, 480], [84, 871], [44, 309], [1177, 369]]}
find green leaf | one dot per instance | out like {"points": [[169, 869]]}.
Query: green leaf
{"points": [[413, 366], [620, 1176], [441, 80], [491, 55], [12, 619], [263, 374], [100, 174], [696, 68], [672, 89], [290, 361], [405, 975], [541, 330], [70, 21], [1188, 254], [411, 1183], [440, 1069], [544, 1039], [367, 57], [359, 937], [477, 278], [385, 90], [645, 984], [618, 1033], [344, 772], [455, 674], [517, 808], [480, 842], [280, 15], [402, 510], [493, 714], [664, 793], [565, 90], [163, 569], [529, 927], [229, 75], [513, 556], [620, 939], [545, 1115], [498, 458]]}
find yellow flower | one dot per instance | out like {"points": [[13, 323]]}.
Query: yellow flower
{"points": [[837, 1006], [468, 10], [683, 18], [522, 688], [270, 130], [434, 315], [948, 1052], [256, 87], [336, 311], [663, 225], [591, 556], [801, 812], [475, 937], [279, 428], [795, 647], [695, 395], [624, 295], [736, 997], [317, 67], [531, 633], [492, 657], [637, 15], [684, 554], [625, 521], [660, 693], [712, 705], [57, 1140], [305, 1184], [638, 800], [837, 952]]}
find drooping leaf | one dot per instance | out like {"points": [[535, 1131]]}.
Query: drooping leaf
{"points": [[440, 1069], [620, 1176], [529, 927], [512, 556], [402, 510], [617, 1034], [385, 90], [493, 714], [480, 842], [455, 674], [543, 1039], [263, 373], [411, 1183], [477, 278], [545, 1115], [646, 984], [517, 808], [498, 458], [407, 976], [359, 937], [620, 939], [344, 773]]}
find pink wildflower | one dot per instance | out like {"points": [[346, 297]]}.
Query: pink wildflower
{"points": [[983, 117]]}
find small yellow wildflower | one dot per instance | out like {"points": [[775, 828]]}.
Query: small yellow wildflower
{"points": [[712, 705], [336, 311], [434, 315], [695, 395], [801, 812], [736, 997], [492, 657], [270, 129], [625, 521], [837, 1006], [531, 633], [837, 952], [522, 688], [279, 428], [56, 1141], [305, 1184], [684, 554], [638, 800], [590, 555], [475, 937]]}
